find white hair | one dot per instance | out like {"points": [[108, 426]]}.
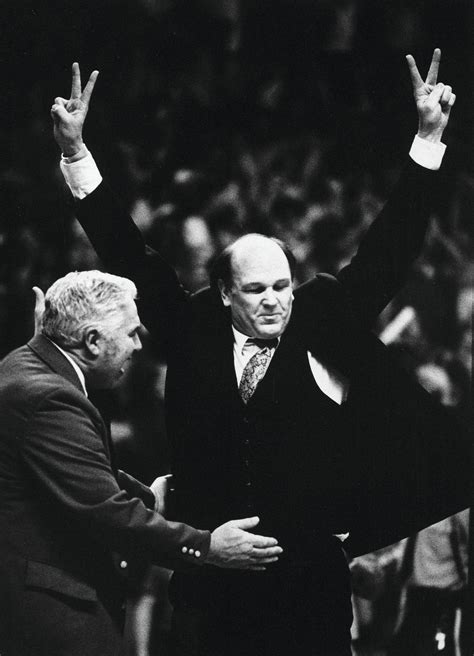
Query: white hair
{"points": [[82, 299]]}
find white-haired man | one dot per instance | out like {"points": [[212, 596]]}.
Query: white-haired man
{"points": [[72, 527]]}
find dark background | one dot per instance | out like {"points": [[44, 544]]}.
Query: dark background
{"points": [[291, 118], [217, 117]]}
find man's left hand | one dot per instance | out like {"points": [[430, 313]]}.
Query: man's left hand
{"points": [[434, 99], [39, 309], [159, 487]]}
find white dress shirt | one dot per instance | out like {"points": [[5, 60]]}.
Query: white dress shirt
{"points": [[74, 365], [330, 381]]}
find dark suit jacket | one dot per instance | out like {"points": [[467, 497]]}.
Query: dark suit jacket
{"points": [[410, 465], [64, 510]]}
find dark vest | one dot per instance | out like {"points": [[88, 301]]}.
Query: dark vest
{"points": [[286, 460], [287, 456], [295, 466]]}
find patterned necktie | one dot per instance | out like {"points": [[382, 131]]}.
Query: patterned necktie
{"points": [[256, 367]]}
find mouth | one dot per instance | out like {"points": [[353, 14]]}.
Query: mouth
{"points": [[271, 318], [124, 368]]}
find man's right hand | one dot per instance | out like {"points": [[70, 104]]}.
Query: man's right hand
{"points": [[69, 115], [233, 547]]}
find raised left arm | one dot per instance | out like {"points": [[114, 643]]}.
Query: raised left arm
{"points": [[394, 240]]}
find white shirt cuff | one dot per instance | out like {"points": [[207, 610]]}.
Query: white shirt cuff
{"points": [[82, 176], [426, 153]]}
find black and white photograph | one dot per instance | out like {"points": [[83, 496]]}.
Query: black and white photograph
{"points": [[236, 317]]}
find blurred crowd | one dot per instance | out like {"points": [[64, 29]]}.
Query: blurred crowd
{"points": [[218, 118]]}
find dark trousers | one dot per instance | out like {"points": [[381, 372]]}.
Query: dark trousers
{"points": [[297, 611]]}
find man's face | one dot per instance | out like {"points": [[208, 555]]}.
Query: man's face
{"points": [[261, 293], [117, 343]]}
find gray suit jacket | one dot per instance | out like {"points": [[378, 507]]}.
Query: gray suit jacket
{"points": [[65, 511]]}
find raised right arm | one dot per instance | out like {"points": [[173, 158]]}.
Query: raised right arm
{"points": [[112, 232]]}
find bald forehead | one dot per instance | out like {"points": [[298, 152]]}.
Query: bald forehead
{"points": [[254, 247], [254, 253]]}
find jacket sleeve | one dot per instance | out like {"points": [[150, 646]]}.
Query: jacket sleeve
{"points": [[391, 244], [136, 488], [63, 449], [123, 251]]}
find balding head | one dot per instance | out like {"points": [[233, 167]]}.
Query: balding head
{"points": [[222, 266], [256, 284]]}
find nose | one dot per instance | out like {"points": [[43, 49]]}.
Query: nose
{"points": [[137, 343], [270, 297]]}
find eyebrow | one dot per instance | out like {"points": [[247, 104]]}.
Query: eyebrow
{"points": [[280, 281]]}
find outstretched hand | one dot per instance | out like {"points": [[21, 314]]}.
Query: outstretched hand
{"points": [[434, 99], [39, 309], [69, 115], [232, 546]]}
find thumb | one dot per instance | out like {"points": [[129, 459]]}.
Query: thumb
{"points": [[435, 95], [39, 309], [246, 523], [59, 113]]}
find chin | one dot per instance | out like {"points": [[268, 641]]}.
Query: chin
{"points": [[270, 332]]}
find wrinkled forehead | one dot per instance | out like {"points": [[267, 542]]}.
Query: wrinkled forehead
{"points": [[257, 259]]}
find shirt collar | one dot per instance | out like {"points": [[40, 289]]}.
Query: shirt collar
{"points": [[240, 339], [75, 366]]}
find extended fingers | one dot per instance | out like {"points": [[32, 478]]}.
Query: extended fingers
{"points": [[432, 76], [262, 541], [416, 78], [89, 88], [39, 309], [76, 88], [270, 552], [76, 81]]}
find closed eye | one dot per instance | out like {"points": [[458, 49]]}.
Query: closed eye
{"points": [[254, 290], [280, 286]]}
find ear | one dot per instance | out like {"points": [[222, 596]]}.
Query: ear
{"points": [[92, 341], [224, 293]]}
